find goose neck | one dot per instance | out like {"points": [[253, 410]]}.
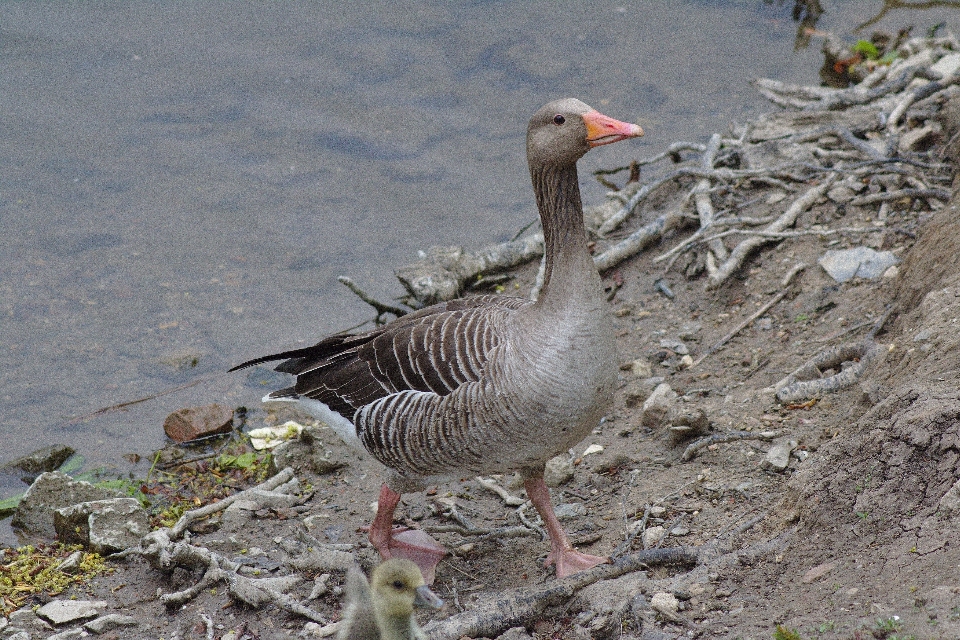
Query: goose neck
{"points": [[569, 267]]}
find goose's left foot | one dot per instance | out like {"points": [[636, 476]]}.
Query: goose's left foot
{"points": [[402, 542], [567, 559]]}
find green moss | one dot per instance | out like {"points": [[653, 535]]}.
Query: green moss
{"points": [[31, 570]]}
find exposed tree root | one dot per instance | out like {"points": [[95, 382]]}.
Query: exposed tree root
{"points": [[164, 552], [524, 605], [806, 382]]}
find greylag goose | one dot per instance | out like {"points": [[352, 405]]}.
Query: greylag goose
{"points": [[485, 384], [383, 610]]}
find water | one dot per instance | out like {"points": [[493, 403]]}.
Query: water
{"points": [[181, 183]]}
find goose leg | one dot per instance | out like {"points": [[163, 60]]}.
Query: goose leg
{"points": [[567, 559], [401, 542]]}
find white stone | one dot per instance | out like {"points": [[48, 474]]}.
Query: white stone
{"points": [[62, 611], [947, 65], [665, 603], [558, 470], [652, 536], [950, 502], [778, 457], [592, 449]]}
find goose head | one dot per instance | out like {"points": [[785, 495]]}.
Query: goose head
{"points": [[561, 132]]}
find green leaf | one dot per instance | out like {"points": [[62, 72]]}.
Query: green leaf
{"points": [[72, 464], [246, 460], [9, 505], [867, 48]]}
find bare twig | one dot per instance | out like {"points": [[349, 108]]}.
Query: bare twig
{"points": [[491, 485], [726, 436], [886, 196], [787, 219], [380, 307]]}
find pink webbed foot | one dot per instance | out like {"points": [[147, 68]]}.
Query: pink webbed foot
{"points": [[570, 561], [402, 542], [562, 554]]}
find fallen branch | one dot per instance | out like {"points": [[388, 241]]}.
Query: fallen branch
{"points": [[442, 271], [490, 485], [522, 605], [636, 241], [705, 211], [269, 490], [787, 219], [726, 436], [380, 307], [886, 196]]}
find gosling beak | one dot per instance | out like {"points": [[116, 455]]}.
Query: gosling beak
{"points": [[603, 129], [426, 598]]}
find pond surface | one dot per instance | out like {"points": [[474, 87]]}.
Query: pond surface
{"points": [[181, 183]]}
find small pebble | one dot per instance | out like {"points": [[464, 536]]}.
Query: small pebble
{"points": [[665, 603]]}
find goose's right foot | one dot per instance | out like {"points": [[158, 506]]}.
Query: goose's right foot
{"points": [[402, 542]]}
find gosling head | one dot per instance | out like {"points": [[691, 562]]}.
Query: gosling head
{"points": [[397, 587]]}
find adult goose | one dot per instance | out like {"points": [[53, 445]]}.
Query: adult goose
{"points": [[383, 609], [485, 384]]}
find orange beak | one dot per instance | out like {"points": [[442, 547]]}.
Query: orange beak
{"points": [[603, 130]]}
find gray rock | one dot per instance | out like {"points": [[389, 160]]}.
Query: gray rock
{"points": [[109, 622], [950, 502], [688, 423], [641, 368], [516, 633], [841, 194], [677, 346], [558, 470], [49, 492], [665, 603], [862, 262], [690, 330], [69, 634], [570, 510], [652, 535], [41, 460], [24, 621], [63, 611], [778, 457], [309, 450], [103, 526], [657, 408], [72, 563]]}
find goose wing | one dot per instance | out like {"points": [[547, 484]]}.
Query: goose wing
{"points": [[436, 350]]}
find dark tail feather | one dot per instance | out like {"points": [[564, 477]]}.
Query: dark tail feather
{"points": [[326, 348], [286, 355]]}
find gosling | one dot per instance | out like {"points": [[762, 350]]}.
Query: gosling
{"points": [[383, 609]]}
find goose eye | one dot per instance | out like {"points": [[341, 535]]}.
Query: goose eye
{"points": [[559, 119], [398, 584]]}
